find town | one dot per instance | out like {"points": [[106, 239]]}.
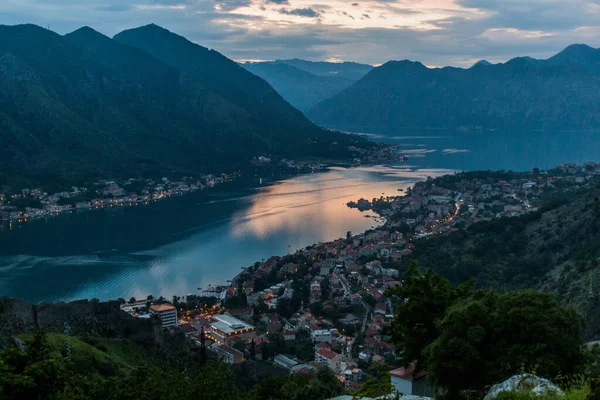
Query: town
{"points": [[34, 203], [328, 304]]}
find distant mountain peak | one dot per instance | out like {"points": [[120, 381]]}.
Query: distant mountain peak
{"points": [[404, 64], [484, 63], [577, 54], [87, 33]]}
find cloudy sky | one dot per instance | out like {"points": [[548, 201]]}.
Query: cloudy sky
{"points": [[436, 32]]}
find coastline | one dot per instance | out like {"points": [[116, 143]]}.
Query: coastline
{"points": [[116, 194]]}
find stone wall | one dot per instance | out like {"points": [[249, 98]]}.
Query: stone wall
{"points": [[91, 317]]}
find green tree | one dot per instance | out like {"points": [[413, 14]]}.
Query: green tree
{"points": [[378, 382], [489, 337], [425, 299]]}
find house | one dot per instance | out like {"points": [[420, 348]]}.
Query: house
{"points": [[289, 335], [286, 361], [330, 359], [350, 319], [228, 354], [321, 335], [409, 382], [381, 308]]}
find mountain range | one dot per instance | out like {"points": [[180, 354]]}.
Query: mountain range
{"points": [[305, 83], [145, 103], [560, 93]]}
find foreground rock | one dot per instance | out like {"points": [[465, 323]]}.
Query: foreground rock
{"points": [[525, 383]]}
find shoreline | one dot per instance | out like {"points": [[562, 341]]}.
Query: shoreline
{"points": [[165, 188]]}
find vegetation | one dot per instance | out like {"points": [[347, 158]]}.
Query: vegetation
{"points": [[112, 370], [416, 321], [467, 340], [489, 337], [83, 107]]}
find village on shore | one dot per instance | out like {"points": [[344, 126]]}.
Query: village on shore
{"points": [[328, 304], [35, 203]]}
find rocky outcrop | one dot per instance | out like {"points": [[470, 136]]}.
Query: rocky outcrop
{"points": [[524, 383]]}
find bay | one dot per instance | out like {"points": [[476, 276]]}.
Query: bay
{"points": [[176, 245]]}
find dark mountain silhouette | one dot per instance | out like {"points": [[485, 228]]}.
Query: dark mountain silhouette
{"points": [[562, 92], [84, 106]]}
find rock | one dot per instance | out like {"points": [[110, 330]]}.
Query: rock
{"points": [[525, 383]]}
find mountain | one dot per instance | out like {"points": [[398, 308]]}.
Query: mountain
{"points": [[562, 92], [482, 63], [305, 83], [300, 88], [83, 106], [346, 70]]}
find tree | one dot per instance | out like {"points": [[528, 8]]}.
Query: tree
{"points": [[285, 308], [378, 382], [426, 297], [489, 337], [252, 350]]}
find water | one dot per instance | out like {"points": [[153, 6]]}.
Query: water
{"points": [[176, 245]]}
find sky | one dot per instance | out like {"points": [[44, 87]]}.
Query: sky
{"points": [[435, 32]]}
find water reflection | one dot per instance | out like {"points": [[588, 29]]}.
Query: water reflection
{"points": [[174, 246]]}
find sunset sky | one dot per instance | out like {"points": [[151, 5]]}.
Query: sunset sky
{"points": [[435, 32]]}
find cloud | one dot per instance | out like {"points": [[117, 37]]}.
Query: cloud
{"points": [[435, 32], [301, 12], [231, 5], [114, 7]]}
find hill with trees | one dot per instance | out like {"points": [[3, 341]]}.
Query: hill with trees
{"points": [[84, 106]]}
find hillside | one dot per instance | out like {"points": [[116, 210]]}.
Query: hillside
{"points": [[84, 107], [300, 88], [555, 249], [559, 93]]}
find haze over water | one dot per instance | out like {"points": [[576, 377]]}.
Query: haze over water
{"points": [[177, 245]]}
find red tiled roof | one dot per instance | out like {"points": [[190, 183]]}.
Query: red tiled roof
{"points": [[328, 354], [408, 373]]}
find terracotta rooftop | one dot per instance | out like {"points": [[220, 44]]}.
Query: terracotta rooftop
{"points": [[408, 373], [162, 307]]}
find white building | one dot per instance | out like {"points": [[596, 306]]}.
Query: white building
{"points": [[407, 382], [223, 328], [321, 336], [167, 313]]}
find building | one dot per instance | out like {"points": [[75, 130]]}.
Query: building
{"points": [[407, 382], [321, 335], [167, 313], [228, 354], [224, 328], [330, 359], [286, 361]]}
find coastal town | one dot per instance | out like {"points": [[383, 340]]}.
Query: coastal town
{"points": [[34, 203], [330, 304]]}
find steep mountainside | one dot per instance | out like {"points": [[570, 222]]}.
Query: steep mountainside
{"points": [[555, 249], [300, 88], [562, 92], [84, 107]]}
